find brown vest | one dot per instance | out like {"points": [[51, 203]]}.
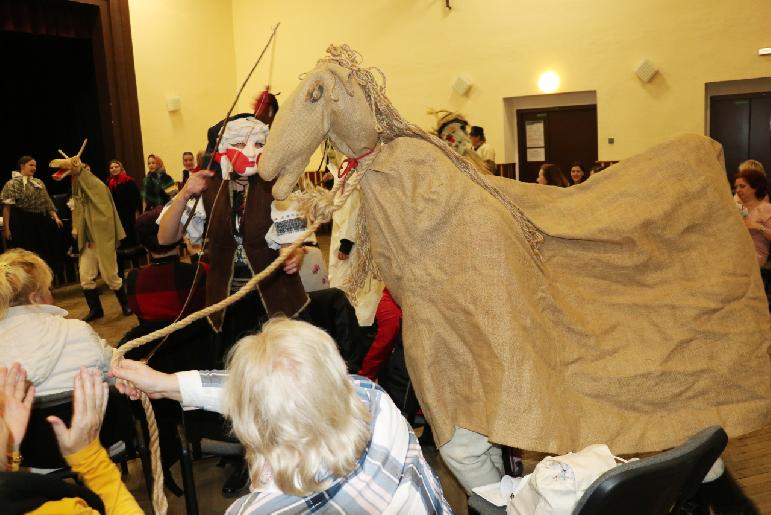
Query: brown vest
{"points": [[280, 293]]}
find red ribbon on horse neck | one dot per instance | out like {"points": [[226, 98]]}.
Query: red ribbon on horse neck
{"points": [[353, 163]]}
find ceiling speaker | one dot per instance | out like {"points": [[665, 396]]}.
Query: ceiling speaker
{"points": [[646, 70]]}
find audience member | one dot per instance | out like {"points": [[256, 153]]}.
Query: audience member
{"points": [[752, 191], [482, 147], [751, 164], [577, 173], [551, 175], [188, 166], [157, 187], [29, 213], [128, 203], [313, 435], [751, 187], [34, 332], [24, 492], [158, 292]]}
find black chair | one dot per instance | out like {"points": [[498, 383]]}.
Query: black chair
{"points": [[186, 349], [329, 309], [39, 449], [203, 434], [657, 485]]}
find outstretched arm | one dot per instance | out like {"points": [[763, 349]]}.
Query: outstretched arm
{"points": [[170, 226], [193, 388]]}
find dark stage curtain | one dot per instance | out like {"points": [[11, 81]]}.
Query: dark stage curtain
{"points": [[47, 18]]}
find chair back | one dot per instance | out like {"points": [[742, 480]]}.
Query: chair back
{"points": [[39, 448], [657, 485]]}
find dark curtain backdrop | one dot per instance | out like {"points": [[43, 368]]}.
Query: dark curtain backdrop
{"points": [[49, 92]]}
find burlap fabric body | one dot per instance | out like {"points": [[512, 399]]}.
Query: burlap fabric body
{"points": [[644, 322], [95, 217]]}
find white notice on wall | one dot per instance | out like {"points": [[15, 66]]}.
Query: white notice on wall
{"points": [[536, 154], [534, 134]]}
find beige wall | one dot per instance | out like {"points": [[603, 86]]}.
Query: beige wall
{"points": [[182, 48], [501, 45]]}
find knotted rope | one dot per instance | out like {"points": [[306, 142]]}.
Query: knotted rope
{"points": [[318, 205]]}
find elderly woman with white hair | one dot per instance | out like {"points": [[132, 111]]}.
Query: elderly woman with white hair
{"points": [[316, 439]]}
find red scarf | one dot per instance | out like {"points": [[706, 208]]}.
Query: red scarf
{"points": [[116, 180]]}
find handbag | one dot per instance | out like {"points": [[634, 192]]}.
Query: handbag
{"points": [[558, 482]]}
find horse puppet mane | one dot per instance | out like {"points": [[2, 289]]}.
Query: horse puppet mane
{"points": [[390, 125]]}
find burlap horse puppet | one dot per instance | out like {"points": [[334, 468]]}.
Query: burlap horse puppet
{"points": [[628, 310], [96, 222]]}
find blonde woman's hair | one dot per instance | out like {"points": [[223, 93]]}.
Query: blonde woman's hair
{"points": [[22, 273], [751, 164], [294, 408]]}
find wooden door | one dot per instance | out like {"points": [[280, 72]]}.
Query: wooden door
{"points": [[559, 135], [742, 124]]}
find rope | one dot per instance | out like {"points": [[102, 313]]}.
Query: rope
{"points": [[318, 207]]}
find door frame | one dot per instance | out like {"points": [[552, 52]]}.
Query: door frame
{"points": [[521, 143], [512, 104]]}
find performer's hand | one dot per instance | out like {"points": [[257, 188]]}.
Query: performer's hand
{"points": [[197, 183], [342, 256], [294, 262], [89, 402], [7, 232], [57, 220], [156, 385]]}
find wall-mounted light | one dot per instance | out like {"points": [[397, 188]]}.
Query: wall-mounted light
{"points": [[549, 82]]}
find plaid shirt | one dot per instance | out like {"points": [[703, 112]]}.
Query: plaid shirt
{"points": [[27, 193], [391, 475], [154, 188], [158, 292]]}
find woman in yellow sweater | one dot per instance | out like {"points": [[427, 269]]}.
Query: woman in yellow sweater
{"points": [[32, 493]]}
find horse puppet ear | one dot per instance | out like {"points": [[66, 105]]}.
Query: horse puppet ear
{"points": [[82, 148]]}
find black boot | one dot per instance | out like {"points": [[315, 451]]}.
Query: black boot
{"points": [[726, 497], [94, 306], [120, 294]]}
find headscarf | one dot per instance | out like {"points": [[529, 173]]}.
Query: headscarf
{"points": [[113, 181], [159, 167]]}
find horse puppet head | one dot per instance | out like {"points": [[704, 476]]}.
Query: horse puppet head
{"points": [[69, 165], [329, 103]]}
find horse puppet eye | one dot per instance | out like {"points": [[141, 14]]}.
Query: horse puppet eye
{"points": [[315, 93]]}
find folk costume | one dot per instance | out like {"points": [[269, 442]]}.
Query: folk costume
{"points": [[31, 226], [99, 232], [158, 187], [237, 214]]}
